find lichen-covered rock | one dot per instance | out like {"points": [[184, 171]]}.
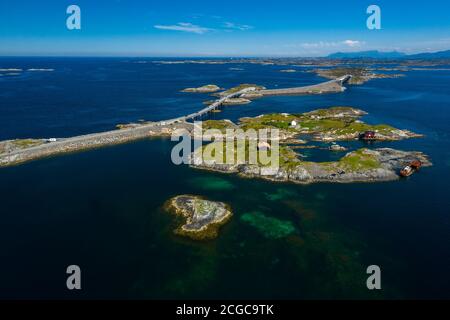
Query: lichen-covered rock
{"points": [[210, 88], [202, 217], [236, 101], [363, 165], [335, 147]]}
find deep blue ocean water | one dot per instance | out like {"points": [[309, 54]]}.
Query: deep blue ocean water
{"points": [[102, 209]]}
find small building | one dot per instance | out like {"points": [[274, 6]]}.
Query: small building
{"points": [[263, 145], [51, 140], [368, 135], [293, 123]]}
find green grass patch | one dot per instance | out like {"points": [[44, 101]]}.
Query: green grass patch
{"points": [[221, 125], [241, 87], [359, 160], [26, 143]]}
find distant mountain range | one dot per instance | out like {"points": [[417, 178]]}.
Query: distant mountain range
{"points": [[375, 54]]}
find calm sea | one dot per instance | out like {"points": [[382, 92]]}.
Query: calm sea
{"points": [[102, 209]]}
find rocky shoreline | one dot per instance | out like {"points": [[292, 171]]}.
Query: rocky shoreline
{"points": [[14, 152], [202, 218], [209, 88], [363, 165], [359, 75], [326, 125], [322, 125]]}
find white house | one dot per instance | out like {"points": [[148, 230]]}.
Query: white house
{"points": [[263, 145], [293, 123]]}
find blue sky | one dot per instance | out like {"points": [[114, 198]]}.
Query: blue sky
{"points": [[220, 28]]}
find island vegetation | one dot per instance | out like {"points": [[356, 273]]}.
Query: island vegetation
{"points": [[360, 75], [8, 146], [322, 125], [239, 88], [203, 89], [331, 124], [202, 218]]}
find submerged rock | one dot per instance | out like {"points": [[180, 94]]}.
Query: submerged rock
{"points": [[212, 183], [269, 227], [202, 217], [280, 194]]}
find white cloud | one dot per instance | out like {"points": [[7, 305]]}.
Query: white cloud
{"points": [[242, 27], [352, 43], [329, 44], [184, 27]]}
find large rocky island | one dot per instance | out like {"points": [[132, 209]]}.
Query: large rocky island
{"points": [[327, 125], [13, 152], [360, 75], [202, 218], [362, 165], [323, 125]]}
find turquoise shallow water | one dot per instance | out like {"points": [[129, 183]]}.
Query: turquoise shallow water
{"points": [[102, 209]]}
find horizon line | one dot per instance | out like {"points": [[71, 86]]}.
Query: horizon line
{"points": [[244, 56]]}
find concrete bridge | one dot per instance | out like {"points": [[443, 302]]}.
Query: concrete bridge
{"points": [[344, 79], [332, 86], [95, 140], [215, 105]]}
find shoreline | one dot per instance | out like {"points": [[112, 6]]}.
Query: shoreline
{"points": [[160, 128], [387, 164]]}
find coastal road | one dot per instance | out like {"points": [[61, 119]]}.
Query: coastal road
{"points": [[164, 127], [332, 86]]}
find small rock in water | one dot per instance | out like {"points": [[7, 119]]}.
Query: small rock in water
{"points": [[202, 217], [336, 147]]}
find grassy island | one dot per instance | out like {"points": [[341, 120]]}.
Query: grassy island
{"points": [[323, 125], [332, 124], [239, 88]]}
